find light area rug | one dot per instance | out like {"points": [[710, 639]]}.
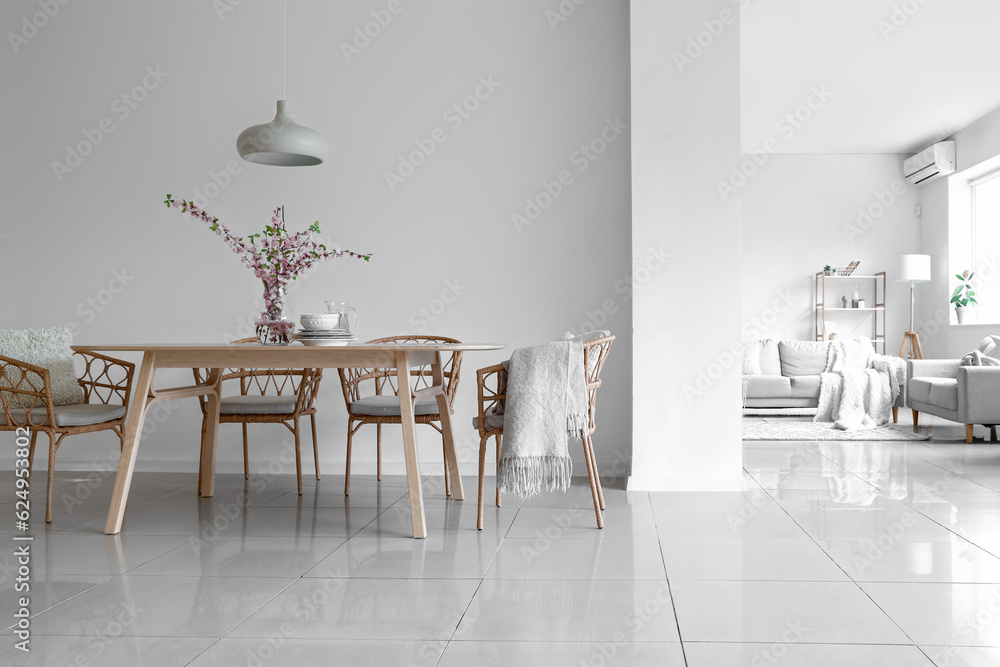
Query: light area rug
{"points": [[802, 430], [779, 412]]}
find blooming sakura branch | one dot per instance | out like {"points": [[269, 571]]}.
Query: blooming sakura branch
{"points": [[274, 256]]}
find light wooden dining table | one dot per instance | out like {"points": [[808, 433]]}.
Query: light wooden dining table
{"points": [[216, 358]]}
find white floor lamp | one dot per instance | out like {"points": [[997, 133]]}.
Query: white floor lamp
{"points": [[912, 269]]}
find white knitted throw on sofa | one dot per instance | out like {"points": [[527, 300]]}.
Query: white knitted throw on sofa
{"points": [[546, 403], [858, 388]]}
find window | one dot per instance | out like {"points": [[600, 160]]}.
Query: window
{"points": [[985, 241]]}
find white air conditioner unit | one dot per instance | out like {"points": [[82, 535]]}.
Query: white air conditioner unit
{"points": [[930, 164]]}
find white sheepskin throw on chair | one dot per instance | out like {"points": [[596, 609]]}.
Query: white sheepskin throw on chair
{"points": [[48, 348]]}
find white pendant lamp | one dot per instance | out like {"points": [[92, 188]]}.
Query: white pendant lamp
{"points": [[282, 142]]}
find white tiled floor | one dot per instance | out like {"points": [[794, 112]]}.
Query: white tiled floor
{"points": [[837, 553]]}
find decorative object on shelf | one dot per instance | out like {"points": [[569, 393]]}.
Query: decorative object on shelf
{"points": [[831, 330], [276, 257], [831, 306], [828, 270], [843, 270], [282, 142], [964, 297], [912, 269]]}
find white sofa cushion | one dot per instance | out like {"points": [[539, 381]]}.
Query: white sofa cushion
{"points": [[770, 361], [801, 357], [805, 386], [768, 386], [48, 348], [942, 392]]}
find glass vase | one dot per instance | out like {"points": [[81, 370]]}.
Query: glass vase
{"points": [[273, 327]]}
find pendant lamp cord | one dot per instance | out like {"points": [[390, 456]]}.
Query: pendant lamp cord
{"points": [[284, 30]]}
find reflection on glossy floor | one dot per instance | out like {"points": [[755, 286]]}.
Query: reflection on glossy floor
{"points": [[837, 553]]}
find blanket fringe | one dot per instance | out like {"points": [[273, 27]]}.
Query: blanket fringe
{"points": [[527, 476], [576, 423]]}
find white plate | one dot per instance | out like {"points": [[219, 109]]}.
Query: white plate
{"points": [[324, 342]]}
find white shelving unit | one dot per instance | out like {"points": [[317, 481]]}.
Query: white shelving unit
{"points": [[876, 311]]}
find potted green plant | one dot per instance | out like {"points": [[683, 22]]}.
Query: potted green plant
{"points": [[964, 297], [828, 270]]}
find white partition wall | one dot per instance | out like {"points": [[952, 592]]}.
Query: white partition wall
{"points": [[687, 172]]}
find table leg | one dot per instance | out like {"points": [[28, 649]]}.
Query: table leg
{"points": [[410, 446], [130, 445], [446, 432], [210, 437]]}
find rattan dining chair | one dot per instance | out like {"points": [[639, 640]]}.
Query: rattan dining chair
{"points": [[268, 396], [26, 395], [492, 382], [382, 407]]}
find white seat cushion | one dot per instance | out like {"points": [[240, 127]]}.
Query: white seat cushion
{"points": [[258, 405], [492, 422], [942, 392], [768, 386], [387, 405], [79, 414]]}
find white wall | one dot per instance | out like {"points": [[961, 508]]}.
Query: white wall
{"points": [[561, 82], [801, 212], [685, 136], [939, 337]]}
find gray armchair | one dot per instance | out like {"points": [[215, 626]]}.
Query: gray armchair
{"points": [[944, 388]]}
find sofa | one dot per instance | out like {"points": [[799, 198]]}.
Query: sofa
{"points": [[945, 388], [785, 374]]}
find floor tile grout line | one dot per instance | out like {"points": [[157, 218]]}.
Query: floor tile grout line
{"points": [[207, 649], [666, 577], [852, 579]]}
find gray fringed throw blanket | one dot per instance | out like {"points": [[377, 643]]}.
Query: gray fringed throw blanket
{"points": [[546, 403], [858, 388]]}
